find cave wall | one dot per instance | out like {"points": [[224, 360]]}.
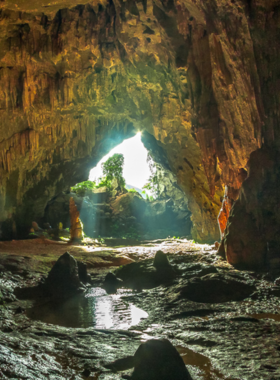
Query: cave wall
{"points": [[73, 76], [252, 234]]}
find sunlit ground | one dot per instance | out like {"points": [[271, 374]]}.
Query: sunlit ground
{"points": [[136, 170]]}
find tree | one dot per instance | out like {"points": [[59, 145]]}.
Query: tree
{"points": [[153, 181], [113, 168]]}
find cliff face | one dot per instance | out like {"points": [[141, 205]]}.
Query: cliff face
{"points": [[77, 79]]}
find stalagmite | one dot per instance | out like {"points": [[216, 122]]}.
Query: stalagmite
{"points": [[76, 229]]}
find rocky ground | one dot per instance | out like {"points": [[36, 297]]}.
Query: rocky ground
{"points": [[225, 323]]}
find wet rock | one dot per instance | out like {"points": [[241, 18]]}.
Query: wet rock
{"points": [[195, 313], [196, 270], [244, 318], [121, 364], [215, 288], [161, 260], [144, 275], [112, 283], [159, 360], [63, 278], [82, 272]]}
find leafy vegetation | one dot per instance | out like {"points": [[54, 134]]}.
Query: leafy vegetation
{"points": [[153, 181], [113, 168], [104, 182], [82, 187], [132, 190], [148, 197]]}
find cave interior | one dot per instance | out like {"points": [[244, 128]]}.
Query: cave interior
{"points": [[108, 285]]}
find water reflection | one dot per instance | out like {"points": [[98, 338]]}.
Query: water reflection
{"points": [[95, 309]]}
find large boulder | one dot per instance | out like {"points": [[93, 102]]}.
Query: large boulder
{"points": [[63, 278], [159, 360], [147, 274]]}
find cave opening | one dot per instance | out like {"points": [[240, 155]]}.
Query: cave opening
{"points": [[149, 204], [137, 168]]}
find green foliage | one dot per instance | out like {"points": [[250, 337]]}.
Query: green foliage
{"points": [[82, 187], [113, 168], [100, 239], [132, 190], [153, 181], [105, 182]]}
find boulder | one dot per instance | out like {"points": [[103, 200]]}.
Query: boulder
{"points": [[159, 360], [112, 283], [145, 275], [82, 272], [63, 278], [215, 288], [161, 260]]}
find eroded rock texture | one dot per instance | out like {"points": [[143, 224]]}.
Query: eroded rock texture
{"points": [[77, 79], [252, 235]]}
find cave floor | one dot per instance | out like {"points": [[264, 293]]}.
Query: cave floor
{"points": [[217, 340]]}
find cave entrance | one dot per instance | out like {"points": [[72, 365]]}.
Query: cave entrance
{"points": [[114, 211], [137, 169]]}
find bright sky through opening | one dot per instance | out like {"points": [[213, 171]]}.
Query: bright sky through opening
{"points": [[136, 170]]}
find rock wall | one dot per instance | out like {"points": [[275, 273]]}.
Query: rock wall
{"points": [[252, 235], [75, 81]]}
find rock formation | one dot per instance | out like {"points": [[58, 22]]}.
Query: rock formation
{"points": [[76, 228], [200, 76], [159, 360]]}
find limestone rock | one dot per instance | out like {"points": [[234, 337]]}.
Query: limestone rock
{"points": [[76, 229], [215, 288], [252, 235], [159, 360], [144, 275], [112, 283], [161, 260], [63, 278]]}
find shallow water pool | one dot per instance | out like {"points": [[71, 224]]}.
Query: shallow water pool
{"points": [[95, 309]]}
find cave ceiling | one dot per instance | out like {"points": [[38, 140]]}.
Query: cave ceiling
{"points": [[73, 74]]}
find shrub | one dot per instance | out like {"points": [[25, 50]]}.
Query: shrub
{"points": [[82, 187], [132, 190], [104, 182]]}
